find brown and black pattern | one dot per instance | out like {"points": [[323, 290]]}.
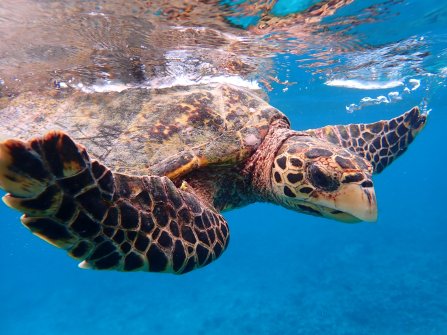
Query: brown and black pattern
{"points": [[166, 132], [307, 171], [381, 142], [107, 220], [194, 129], [305, 165]]}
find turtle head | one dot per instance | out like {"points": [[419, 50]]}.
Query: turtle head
{"points": [[316, 177]]}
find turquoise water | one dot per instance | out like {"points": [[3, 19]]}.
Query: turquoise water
{"points": [[287, 273]]}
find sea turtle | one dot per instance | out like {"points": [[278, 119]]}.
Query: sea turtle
{"points": [[136, 180]]}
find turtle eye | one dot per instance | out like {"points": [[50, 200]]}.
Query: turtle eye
{"points": [[321, 179]]}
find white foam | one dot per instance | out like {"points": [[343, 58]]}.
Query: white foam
{"points": [[368, 101], [390, 97], [96, 14], [166, 82], [415, 83], [394, 96], [364, 85], [184, 80], [200, 29], [182, 69], [104, 87]]}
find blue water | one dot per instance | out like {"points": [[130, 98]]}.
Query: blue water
{"points": [[283, 273]]}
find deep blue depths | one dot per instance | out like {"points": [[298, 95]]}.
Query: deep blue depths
{"points": [[284, 273]]}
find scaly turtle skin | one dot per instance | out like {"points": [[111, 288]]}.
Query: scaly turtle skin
{"points": [[161, 165]]}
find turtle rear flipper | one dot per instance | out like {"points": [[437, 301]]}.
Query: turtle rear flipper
{"points": [[380, 142], [107, 220]]}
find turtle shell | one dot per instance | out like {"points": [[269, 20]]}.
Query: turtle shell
{"points": [[138, 131]]}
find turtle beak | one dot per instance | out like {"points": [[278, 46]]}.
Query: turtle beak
{"points": [[358, 201], [355, 200]]}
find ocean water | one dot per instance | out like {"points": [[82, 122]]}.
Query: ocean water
{"points": [[284, 272]]}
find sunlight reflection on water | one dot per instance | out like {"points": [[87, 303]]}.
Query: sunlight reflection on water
{"points": [[51, 45]]}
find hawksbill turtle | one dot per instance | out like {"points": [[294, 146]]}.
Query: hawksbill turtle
{"points": [[136, 180]]}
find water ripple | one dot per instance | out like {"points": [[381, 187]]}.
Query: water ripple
{"points": [[49, 45]]}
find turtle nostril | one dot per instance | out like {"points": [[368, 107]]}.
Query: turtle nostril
{"points": [[367, 183]]}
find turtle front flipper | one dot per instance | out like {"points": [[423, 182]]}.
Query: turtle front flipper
{"points": [[381, 142], [107, 220]]}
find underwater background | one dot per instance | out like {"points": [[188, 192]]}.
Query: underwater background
{"points": [[284, 272]]}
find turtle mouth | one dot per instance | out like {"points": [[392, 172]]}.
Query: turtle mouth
{"points": [[351, 203]]}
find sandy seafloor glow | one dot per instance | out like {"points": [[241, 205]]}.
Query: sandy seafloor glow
{"points": [[284, 273]]}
